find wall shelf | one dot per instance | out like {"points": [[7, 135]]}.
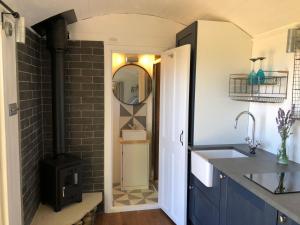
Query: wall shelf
{"points": [[273, 89]]}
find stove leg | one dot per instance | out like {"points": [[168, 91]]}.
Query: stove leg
{"points": [[57, 209]]}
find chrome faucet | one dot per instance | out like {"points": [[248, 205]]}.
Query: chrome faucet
{"points": [[251, 142]]}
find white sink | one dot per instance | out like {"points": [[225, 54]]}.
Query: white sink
{"points": [[136, 135], [203, 169]]}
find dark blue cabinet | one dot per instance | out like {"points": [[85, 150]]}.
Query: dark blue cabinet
{"points": [[204, 202], [228, 203], [241, 207], [212, 193], [203, 211]]}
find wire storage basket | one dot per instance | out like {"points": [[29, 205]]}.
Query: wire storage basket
{"points": [[272, 89], [296, 85]]}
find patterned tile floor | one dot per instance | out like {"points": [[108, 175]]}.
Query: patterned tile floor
{"points": [[134, 197]]}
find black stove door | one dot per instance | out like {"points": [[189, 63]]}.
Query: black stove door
{"points": [[70, 185]]}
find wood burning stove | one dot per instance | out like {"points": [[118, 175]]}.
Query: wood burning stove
{"points": [[61, 182]]}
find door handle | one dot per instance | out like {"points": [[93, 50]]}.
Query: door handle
{"points": [[180, 138], [282, 219], [75, 178], [222, 176], [63, 191]]}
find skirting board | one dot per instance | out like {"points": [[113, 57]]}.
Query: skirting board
{"points": [[68, 215]]}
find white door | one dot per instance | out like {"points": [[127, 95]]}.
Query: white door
{"points": [[173, 138]]}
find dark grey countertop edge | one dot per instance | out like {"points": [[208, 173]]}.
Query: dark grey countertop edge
{"points": [[264, 158]]}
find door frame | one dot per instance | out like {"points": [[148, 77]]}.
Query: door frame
{"points": [[10, 164], [108, 125], [3, 212], [156, 117]]}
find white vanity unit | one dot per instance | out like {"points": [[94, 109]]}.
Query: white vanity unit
{"points": [[135, 160]]}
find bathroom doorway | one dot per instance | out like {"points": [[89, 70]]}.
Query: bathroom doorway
{"points": [[135, 111]]}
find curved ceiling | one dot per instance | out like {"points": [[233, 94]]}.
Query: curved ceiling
{"points": [[255, 16]]}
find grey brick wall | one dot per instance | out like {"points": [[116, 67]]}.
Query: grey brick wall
{"points": [[84, 101], [84, 108], [84, 113], [29, 82]]}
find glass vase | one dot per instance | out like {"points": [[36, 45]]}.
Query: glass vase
{"points": [[282, 157]]}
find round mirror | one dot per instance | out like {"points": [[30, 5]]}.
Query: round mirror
{"points": [[132, 84]]}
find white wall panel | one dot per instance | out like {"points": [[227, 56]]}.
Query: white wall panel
{"points": [[222, 49]]}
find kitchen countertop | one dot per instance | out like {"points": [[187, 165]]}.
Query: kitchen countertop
{"points": [[261, 162]]}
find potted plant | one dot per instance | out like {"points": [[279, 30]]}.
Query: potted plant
{"points": [[284, 122]]}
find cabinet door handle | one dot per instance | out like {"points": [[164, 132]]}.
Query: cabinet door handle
{"points": [[180, 138], [222, 176], [282, 219]]}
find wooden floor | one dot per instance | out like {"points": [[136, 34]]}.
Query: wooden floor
{"points": [[147, 217]]}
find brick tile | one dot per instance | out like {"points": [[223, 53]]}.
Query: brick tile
{"points": [[98, 65], [92, 72], [98, 51], [95, 44], [91, 58], [80, 50], [72, 57], [74, 43]]}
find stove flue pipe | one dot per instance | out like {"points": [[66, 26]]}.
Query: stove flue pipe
{"points": [[57, 36]]}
